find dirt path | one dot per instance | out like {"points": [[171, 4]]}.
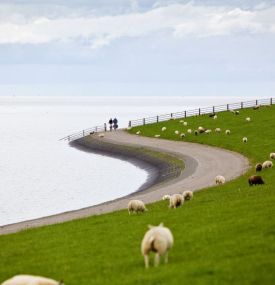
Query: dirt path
{"points": [[202, 164]]}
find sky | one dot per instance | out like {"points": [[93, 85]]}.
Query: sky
{"points": [[137, 48]]}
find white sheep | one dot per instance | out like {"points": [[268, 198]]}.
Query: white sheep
{"points": [[272, 155], [227, 132], [245, 139], [176, 132], [185, 123], [157, 136], [176, 200], [200, 128], [182, 135], [217, 130], [189, 131], [163, 129], [208, 131], [138, 133], [101, 135], [219, 179], [248, 119], [187, 195], [158, 239], [215, 117], [267, 164], [30, 280], [181, 121], [136, 206], [166, 197]]}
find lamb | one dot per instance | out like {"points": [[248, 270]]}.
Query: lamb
{"points": [[176, 200], [245, 139], [185, 123], [208, 131], [176, 132], [227, 132], [136, 206], [138, 133], [163, 129], [255, 180], [212, 115], [157, 136], [187, 195], [215, 117], [158, 239], [101, 135], [182, 135], [235, 112], [272, 155], [267, 164], [248, 119], [201, 130], [189, 131], [30, 280], [219, 179], [256, 107], [258, 167], [217, 130]]}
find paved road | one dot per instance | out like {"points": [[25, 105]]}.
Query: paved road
{"points": [[202, 165]]}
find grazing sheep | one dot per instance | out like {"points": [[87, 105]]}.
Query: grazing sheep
{"points": [[185, 123], [196, 132], [189, 131], [101, 135], [272, 155], [201, 130], [187, 195], [30, 280], [158, 239], [248, 119], [157, 136], [166, 197], [235, 112], [219, 179], [255, 180], [176, 200], [256, 107], [258, 167], [245, 139], [215, 117], [177, 132], [227, 132], [208, 131], [217, 130], [163, 129], [212, 115], [136, 206], [267, 164], [182, 135], [181, 121], [138, 133]]}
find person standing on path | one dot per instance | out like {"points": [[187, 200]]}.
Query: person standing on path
{"points": [[111, 124], [115, 121]]}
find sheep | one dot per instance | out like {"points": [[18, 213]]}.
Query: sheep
{"points": [[267, 164], [212, 115], [227, 132], [138, 133], [189, 131], [256, 107], [157, 136], [248, 119], [185, 123], [175, 200], [219, 179], [176, 132], [235, 112], [196, 132], [101, 135], [187, 195], [217, 130], [208, 131], [158, 239], [182, 135], [181, 121], [272, 155], [245, 139], [163, 129], [201, 130], [30, 280], [215, 117], [255, 180], [136, 206], [258, 167]]}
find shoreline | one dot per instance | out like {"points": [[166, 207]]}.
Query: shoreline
{"points": [[201, 164]]}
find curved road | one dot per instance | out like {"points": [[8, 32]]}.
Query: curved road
{"points": [[202, 165]]}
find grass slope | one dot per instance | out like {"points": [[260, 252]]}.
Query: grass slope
{"points": [[225, 235]]}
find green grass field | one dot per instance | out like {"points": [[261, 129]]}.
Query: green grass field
{"points": [[225, 235]]}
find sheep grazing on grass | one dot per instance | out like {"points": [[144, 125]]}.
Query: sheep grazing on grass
{"points": [[208, 131], [157, 136], [189, 131], [258, 167], [182, 135], [163, 129], [217, 130], [196, 132], [256, 107], [201, 130], [267, 164], [219, 179], [158, 239], [235, 112], [30, 280], [101, 135], [272, 155], [212, 115], [255, 180], [138, 133], [215, 117], [181, 121], [187, 195], [245, 139], [248, 119], [185, 123], [227, 132], [136, 206], [177, 132], [175, 200]]}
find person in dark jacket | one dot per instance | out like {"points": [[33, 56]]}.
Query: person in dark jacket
{"points": [[111, 124], [115, 121]]}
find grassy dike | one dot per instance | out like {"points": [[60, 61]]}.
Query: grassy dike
{"points": [[225, 235]]}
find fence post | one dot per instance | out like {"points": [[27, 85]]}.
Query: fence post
{"points": [[96, 129], [271, 101], [256, 102], [213, 109], [105, 127], [241, 105], [83, 133], [227, 106], [129, 124], [199, 111], [143, 121], [184, 114], [157, 119], [171, 115]]}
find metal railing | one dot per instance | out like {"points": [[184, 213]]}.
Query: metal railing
{"points": [[177, 115], [201, 111]]}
